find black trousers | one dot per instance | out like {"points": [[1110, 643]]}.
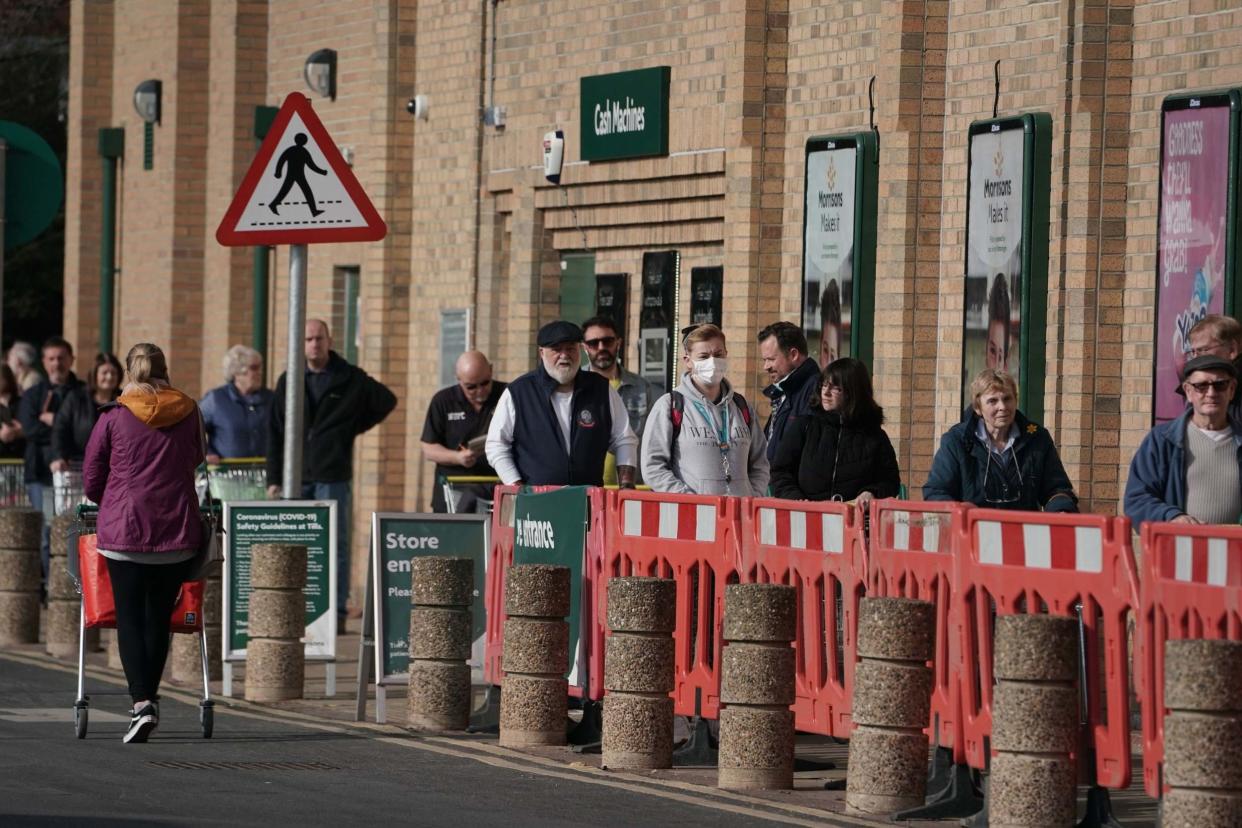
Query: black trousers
{"points": [[145, 595]]}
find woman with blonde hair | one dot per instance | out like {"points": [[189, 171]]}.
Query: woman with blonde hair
{"points": [[139, 468], [997, 458]]}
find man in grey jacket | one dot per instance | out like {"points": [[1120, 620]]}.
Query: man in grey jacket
{"points": [[704, 438]]}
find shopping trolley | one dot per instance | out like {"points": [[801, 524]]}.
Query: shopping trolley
{"points": [[90, 575]]}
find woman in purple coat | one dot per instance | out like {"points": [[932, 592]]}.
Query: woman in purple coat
{"points": [[139, 468]]}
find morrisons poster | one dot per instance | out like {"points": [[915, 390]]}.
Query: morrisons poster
{"points": [[994, 277], [828, 251]]}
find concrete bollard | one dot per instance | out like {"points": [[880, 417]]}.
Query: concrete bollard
{"points": [[442, 590], [757, 687], [534, 703], [1203, 734], [114, 652], [64, 603], [275, 656], [21, 574], [638, 673], [1034, 722], [891, 706]]}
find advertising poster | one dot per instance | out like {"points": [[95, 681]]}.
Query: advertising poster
{"points": [[550, 528], [993, 313], [828, 251], [307, 523], [1191, 261], [395, 540]]}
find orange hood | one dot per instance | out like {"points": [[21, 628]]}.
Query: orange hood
{"points": [[160, 409]]}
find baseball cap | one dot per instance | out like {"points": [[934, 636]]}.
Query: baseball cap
{"points": [[1208, 362], [554, 333]]}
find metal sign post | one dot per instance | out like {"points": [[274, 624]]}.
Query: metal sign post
{"points": [[295, 374]]}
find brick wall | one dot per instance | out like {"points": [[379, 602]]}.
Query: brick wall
{"points": [[473, 223]]}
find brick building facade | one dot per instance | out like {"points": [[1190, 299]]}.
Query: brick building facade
{"points": [[473, 224]]}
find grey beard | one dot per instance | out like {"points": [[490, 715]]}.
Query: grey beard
{"points": [[562, 375]]}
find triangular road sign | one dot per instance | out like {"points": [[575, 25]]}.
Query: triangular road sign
{"points": [[299, 190]]}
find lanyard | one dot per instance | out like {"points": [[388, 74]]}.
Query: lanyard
{"points": [[722, 435]]}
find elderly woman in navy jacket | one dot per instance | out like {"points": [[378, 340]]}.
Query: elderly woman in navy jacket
{"points": [[997, 458], [236, 414]]}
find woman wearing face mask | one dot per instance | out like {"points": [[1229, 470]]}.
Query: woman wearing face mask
{"points": [[704, 438], [839, 451], [997, 458]]}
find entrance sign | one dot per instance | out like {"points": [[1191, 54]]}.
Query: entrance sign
{"points": [[395, 539], [1006, 303], [550, 528], [1197, 262], [309, 523], [838, 245], [299, 190]]}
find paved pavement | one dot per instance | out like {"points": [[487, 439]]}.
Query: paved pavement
{"points": [[267, 769]]}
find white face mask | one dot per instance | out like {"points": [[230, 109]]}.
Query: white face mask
{"points": [[711, 370]]}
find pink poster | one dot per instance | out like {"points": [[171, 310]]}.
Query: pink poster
{"points": [[1194, 168]]}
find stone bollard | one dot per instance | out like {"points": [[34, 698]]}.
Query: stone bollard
{"points": [[275, 657], [64, 603], [757, 688], [114, 651], [891, 706], [21, 574], [187, 666], [1203, 734], [1034, 722], [441, 590], [638, 673], [534, 707]]}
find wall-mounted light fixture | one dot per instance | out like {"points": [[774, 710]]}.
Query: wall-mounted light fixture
{"points": [[147, 96], [320, 71], [147, 100]]}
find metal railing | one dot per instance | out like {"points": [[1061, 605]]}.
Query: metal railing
{"points": [[236, 478], [13, 483]]}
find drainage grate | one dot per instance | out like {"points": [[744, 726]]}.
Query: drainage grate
{"points": [[245, 766]]}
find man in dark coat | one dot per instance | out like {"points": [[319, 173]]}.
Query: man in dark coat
{"points": [[794, 377], [342, 401], [36, 413]]}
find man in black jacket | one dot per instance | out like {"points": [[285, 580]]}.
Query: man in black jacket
{"points": [[342, 401], [794, 376], [36, 413]]}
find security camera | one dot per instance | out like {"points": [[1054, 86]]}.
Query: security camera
{"points": [[417, 106], [411, 106]]}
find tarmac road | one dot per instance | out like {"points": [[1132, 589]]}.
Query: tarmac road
{"points": [[329, 774]]}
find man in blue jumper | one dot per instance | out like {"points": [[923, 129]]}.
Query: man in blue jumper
{"points": [[1189, 470], [554, 425]]}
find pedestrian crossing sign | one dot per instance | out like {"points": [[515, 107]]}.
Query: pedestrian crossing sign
{"points": [[299, 190]]}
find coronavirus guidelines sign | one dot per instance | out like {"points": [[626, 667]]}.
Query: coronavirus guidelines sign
{"points": [[625, 114]]}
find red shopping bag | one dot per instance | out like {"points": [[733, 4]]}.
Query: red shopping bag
{"points": [[99, 607]]}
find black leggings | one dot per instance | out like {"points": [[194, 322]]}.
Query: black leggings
{"points": [[145, 595]]}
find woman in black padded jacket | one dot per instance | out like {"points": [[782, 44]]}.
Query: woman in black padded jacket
{"points": [[839, 451]]}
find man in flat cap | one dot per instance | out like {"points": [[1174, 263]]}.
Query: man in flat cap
{"points": [[555, 424], [1189, 470]]}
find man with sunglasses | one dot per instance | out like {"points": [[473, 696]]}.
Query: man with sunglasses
{"points": [[604, 349], [457, 417], [1219, 336], [1189, 470]]}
